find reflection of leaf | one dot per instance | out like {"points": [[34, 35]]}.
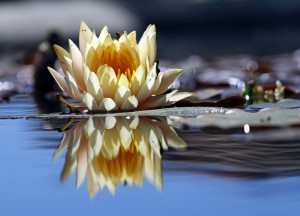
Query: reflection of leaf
{"points": [[110, 150], [236, 118], [286, 103]]}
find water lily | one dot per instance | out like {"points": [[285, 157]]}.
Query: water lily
{"points": [[110, 150], [106, 74]]}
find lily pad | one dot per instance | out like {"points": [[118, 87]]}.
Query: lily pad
{"points": [[239, 118], [286, 103]]}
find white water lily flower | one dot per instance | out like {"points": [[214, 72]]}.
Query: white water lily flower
{"points": [[106, 74], [110, 150]]}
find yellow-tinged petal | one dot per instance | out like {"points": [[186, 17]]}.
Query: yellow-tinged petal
{"points": [[108, 104], [85, 37], [122, 93], [90, 101], [86, 73], [167, 80], [108, 81], [123, 81], [132, 38], [61, 53]]}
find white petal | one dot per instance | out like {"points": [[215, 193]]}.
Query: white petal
{"points": [[103, 34], [86, 73], [148, 85], [132, 38], [93, 87], [130, 103], [85, 37], [138, 80], [73, 87], [140, 141], [122, 93], [60, 80], [77, 64], [171, 137], [179, 96], [110, 122], [81, 163], [108, 104], [157, 101], [168, 78], [90, 101], [124, 132]]}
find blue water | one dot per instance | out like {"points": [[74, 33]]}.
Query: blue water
{"points": [[30, 184]]}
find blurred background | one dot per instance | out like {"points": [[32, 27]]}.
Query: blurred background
{"points": [[185, 27]]}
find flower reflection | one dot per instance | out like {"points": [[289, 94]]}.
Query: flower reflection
{"points": [[109, 150]]}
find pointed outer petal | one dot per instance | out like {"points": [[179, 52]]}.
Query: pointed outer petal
{"points": [[81, 161], [93, 87], [152, 46], [85, 37], [157, 101], [108, 80], [62, 146], [130, 103], [134, 122], [122, 93], [104, 32], [160, 136], [140, 141], [73, 87], [157, 82], [148, 85], [150, 135], [90, 101], [123, 81], [90, 153], [91, 184], [111, 187], [132, 39], [144, 49], [144, 46], [86, 73], [125, 132], [60, 80], [137, 80], [76, 137], [179, 96], [108, 104], [69, 166], [153, 169], [171, 137], [61, 53], [168, 78], [77, 64], [109, 122]]}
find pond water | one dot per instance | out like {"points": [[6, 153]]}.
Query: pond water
{"points": [[217, 174]]}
